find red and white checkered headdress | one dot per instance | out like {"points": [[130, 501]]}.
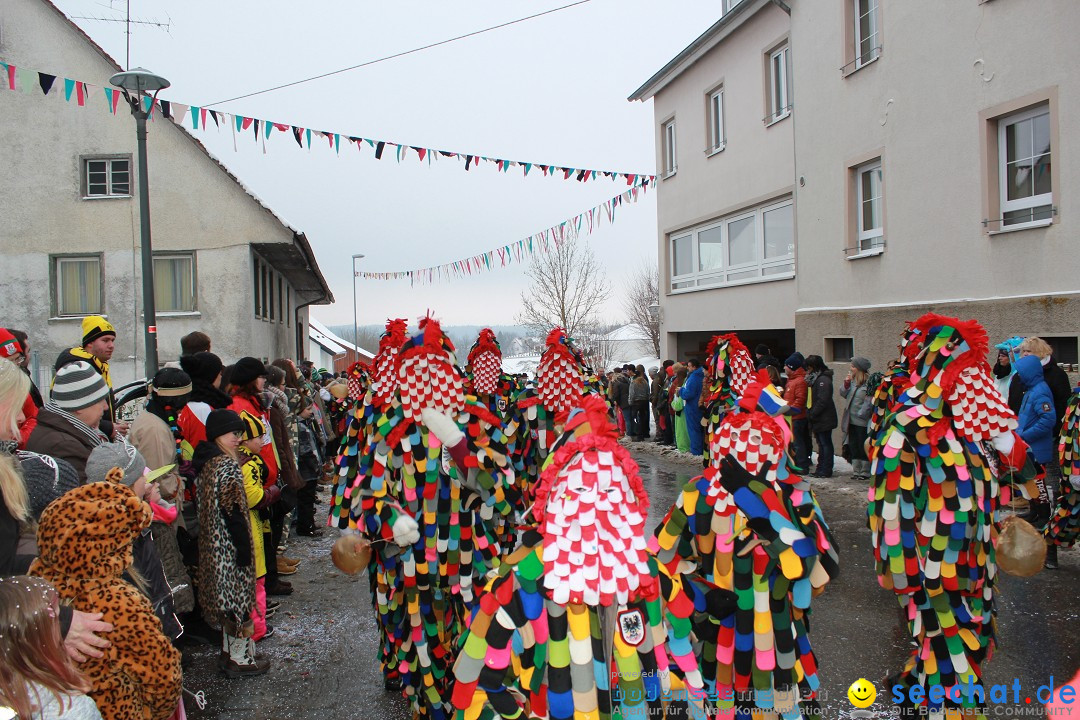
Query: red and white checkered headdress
{"points": [[591, 505], [426, 373], [559, 375], [485, 363], [729, 368], [385, 366], [754, 436], [359, 378]]}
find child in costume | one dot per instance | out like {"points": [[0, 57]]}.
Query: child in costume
{"points": [[751, 527], [574, 624], [430, 478], [259, 499], [1064, 527], [939, 432]]}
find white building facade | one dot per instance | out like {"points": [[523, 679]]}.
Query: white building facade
{"points": [[224, 263]]}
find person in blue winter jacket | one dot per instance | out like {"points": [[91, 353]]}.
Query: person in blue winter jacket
{"points": [[690, 392], [1037, 418]]}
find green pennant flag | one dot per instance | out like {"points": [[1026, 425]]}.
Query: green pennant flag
{"points": [[69, 87], [195, 111]]}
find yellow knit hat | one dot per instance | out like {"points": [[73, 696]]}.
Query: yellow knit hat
{"points": [[95, 326], [254, 427]]}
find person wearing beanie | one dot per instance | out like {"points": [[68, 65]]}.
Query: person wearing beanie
{"points": [[763, 356], [859, 395], [246, 385], [259, 501], [120, 462], [68, 425], [226, 552], [204, 369], [85, 545], [795, 395], [98, 342], [821, 413]]}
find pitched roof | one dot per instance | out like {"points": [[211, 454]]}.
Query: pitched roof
{"points": [[322, 335], [721, 29]]}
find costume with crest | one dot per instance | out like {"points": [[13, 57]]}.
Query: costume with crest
{"points": [[581, 622], [751, 527], [428, 513], [940, 437]]}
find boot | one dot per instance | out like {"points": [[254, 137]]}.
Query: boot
{"points": [[1038, 514], [1051, 557], [284, 568], [239, 658]]}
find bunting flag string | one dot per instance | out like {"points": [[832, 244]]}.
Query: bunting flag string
{"points": [[194, 118], [519, 251]]}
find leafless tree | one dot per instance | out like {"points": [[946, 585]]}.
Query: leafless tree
{"points": [[599, 351], [643, 291], [568, 289]]}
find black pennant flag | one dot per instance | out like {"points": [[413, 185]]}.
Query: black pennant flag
{"points": [[46, 82]]}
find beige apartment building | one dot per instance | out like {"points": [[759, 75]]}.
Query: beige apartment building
{"points": [[923, 148], [725, 208], [224, 263]]}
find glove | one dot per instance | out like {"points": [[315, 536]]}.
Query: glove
{"points": [[406, 531], [270, 496], [443, 426]]}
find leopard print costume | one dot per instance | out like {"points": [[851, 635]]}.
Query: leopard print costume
{"points": [[84, 543], [226, 589]]}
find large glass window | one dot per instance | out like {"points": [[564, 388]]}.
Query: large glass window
{"points": [[750, 246], [77, 285], [174, 282], [1024, 167]]}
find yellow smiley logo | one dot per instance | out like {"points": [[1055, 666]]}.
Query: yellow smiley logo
{"points": [[862, 693]]}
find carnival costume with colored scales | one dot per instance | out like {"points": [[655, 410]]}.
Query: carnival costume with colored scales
{"points": [[941, 429], [728, 370], [751, 527], [1064, 527], [427, 514], [574, 625]]}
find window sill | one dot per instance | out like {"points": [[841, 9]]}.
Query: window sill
{"points": [[786, 114], [74, 318], [179, 314], [856, 68], [873, 252], [716, 150], [1018, 228], [107, 197], [671, 174], [737, 283]]}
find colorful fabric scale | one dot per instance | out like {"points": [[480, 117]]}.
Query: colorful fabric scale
{"points": [[1064, 527], [934, 494], [398, 472], [729, 368], [751, 528], [581, 623]]}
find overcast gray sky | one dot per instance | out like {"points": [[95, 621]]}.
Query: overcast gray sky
{"points": [[549, 90]]}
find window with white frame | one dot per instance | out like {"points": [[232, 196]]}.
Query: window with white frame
{"points": [[174, 282], [750, 246], [1024, 167], [779, 107], [670, 164], [106, 177], [717, 139], [871, 227], [867, 46], [77, 287]]}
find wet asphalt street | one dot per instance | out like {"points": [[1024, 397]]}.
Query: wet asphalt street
{"points": [[323, 652]]}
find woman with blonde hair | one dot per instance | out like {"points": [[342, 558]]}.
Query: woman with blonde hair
{"points": [[15, 517], [37, 678]]}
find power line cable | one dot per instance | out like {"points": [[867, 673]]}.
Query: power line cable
{"points": [[400, 54]]}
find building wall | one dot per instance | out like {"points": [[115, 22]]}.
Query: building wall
{"points": [[756, 165], [194, 204], [922, 107]]}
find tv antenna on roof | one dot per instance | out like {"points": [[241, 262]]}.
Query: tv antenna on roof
{"points": [[128, 22]]}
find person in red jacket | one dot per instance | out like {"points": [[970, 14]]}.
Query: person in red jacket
{"points": [[14, 350], [795, 397]]}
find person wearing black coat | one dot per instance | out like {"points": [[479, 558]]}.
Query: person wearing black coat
{"points": [[821, 413]]}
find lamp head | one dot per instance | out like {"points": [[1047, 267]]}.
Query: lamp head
{"points": [[139, 81]]}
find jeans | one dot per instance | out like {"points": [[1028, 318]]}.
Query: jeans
{"points": [[825, 452], [628, 420]]}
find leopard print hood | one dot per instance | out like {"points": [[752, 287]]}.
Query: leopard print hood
{"points": [[87, 532]]}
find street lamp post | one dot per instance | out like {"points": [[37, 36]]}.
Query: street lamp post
{"points": [[137, 84], [355, 327]]}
